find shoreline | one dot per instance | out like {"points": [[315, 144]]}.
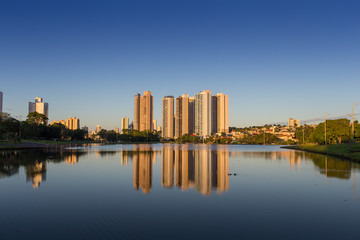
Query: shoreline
{"points": [[343, 151]]}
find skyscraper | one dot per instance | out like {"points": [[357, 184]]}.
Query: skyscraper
{"points": [[136, 123], [185, 114], [39, 106], [203, 113], [124, 124], [146, 112], [214, 114], [1, 102], [191, 115], [167, 117], [154, 125], [98, 128], [222, 113], [178, 117], [143, 112]]}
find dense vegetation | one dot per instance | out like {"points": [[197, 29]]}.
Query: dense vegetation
{"points": [[129, 136], [34, 127], [337, 131]]}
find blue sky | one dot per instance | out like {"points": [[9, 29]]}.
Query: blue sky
{"points": [[275, 59]]}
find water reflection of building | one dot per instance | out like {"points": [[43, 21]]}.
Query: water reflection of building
{"points": [[36, 173], [71, 159], [143, 159], [203, 169]]}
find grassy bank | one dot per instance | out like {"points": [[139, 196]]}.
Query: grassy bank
{"points": [[33, 144], [345, 151]]}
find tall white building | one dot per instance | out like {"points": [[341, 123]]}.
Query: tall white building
{"points": [[167, 117], [1, 102], [124, 124], [203, 113], [39, 106]]}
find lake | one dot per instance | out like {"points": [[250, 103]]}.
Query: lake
{"points": [[174, 191]]}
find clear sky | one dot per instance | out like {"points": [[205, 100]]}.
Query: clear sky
{"points": [[275, 59]]}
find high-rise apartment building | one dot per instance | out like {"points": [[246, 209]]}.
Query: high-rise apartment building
{"points": [[294, 123], [191, 115], [154, 125], [98, 128], [213, 115], [39, 106], [136, 122], [70, 123], [167, 117], [1, 102], [143, 112], [222, 113], [185, 114], [178, 117], [124, 124], [203, 113]]}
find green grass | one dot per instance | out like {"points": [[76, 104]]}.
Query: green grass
{"points": [[349, 151]]}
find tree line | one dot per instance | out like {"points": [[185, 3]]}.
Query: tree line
{"points": [[337, 131], [35, 127]]}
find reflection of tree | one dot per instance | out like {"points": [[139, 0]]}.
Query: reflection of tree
{"points": [[35, 162], [331, 167]]}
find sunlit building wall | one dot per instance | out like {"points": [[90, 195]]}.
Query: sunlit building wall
{"points": [[136, 122], [178, 117], [222, 113], [185, 114], [124, 124], [154, 125], [146, 112], [167, 117], [203, 113]]}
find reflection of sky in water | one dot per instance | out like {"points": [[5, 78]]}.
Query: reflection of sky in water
{"points": [[175, 191]]}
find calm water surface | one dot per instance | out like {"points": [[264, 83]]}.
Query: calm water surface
{"points": [[177, 192]]}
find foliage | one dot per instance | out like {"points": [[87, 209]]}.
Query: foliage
{"points": [[307, 130], [337, 131], [187, 138], [129, 136], [36, 118], [259, 139]]}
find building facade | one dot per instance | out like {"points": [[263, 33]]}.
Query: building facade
{"points": [[124, 124], [167, 117], [143, 112], [203, 113], [294, 123], [178, 117], [222, 116]]}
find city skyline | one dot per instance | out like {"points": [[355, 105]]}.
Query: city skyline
{"points": [[271, 60]]}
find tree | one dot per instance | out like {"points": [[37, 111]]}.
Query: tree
{"points": [[36, 118]]}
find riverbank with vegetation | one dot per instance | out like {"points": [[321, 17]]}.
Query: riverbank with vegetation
{"points": [[350, 151]]}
